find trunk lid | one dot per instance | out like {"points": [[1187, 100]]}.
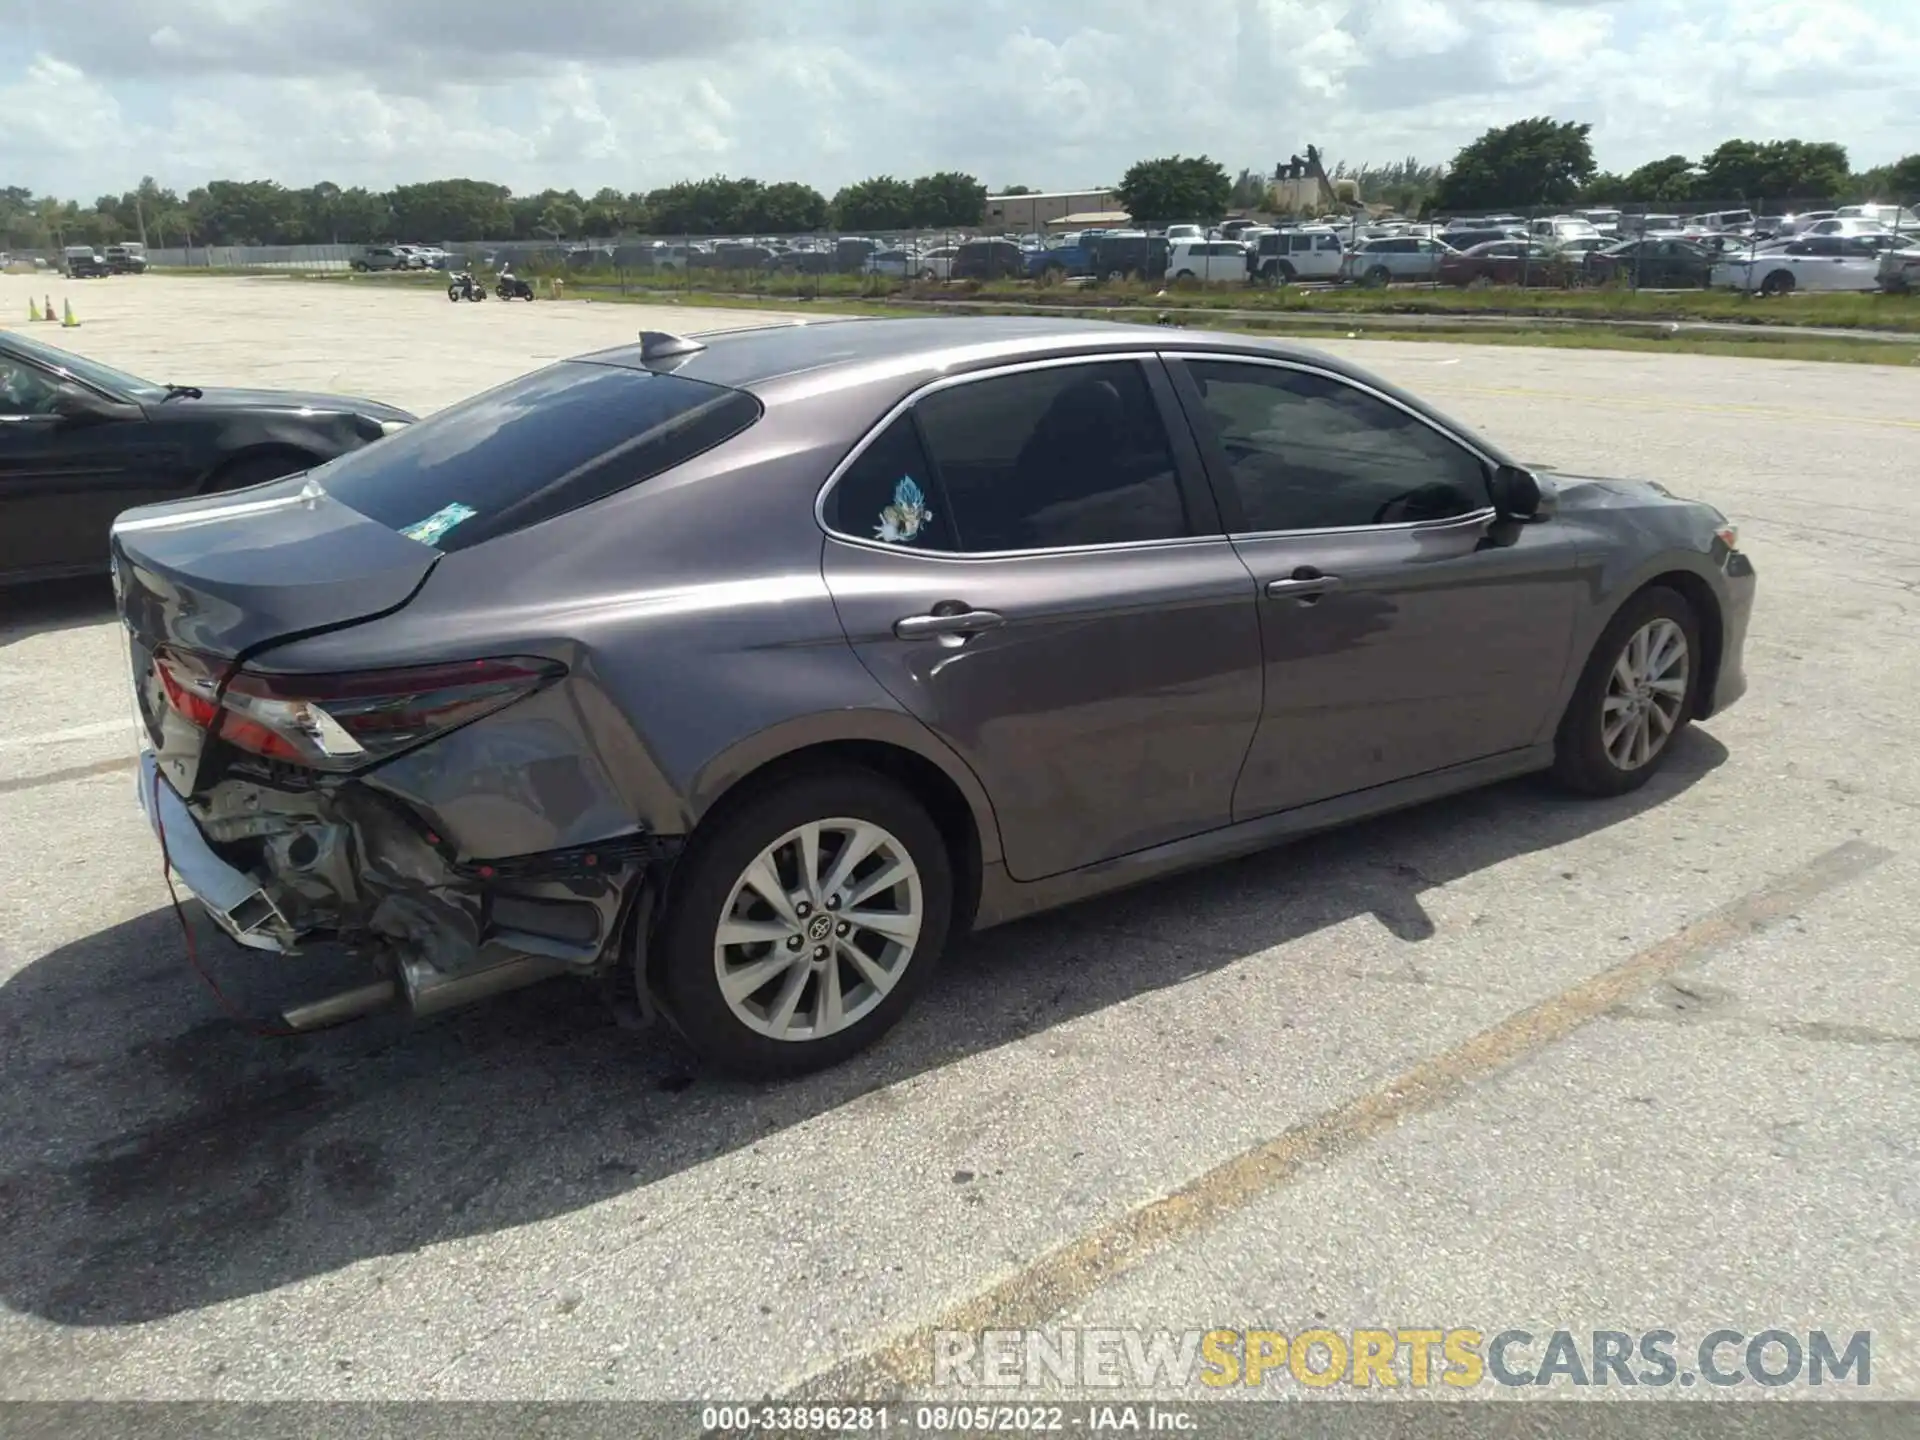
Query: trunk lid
{"points": [[223, 576]]}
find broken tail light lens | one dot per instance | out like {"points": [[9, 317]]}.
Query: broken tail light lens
{"points": [[344, 721]]}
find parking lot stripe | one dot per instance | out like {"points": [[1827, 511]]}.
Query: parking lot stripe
{"points": [[1066, 1276]]}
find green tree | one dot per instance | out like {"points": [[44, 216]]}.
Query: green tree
{"points": [[948, 199], [1899, 181], [1774, 170], [1539, 161], [1016, 190], [1249, 191], [1668, 181], [1176, 188], [452, 210], [787, 208], [882, 203]]}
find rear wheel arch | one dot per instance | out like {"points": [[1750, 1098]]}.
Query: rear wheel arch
{"points": [[950, 794]]}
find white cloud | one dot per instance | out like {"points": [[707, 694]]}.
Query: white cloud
{"points": [[584, 93]]}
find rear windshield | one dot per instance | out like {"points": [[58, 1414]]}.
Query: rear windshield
{"points": [[534, 448]]}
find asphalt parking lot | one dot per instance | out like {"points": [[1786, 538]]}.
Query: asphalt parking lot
{"points": [[1508, 1061]]}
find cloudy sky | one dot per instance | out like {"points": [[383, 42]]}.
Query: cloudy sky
{"points": [[1061, 94]]}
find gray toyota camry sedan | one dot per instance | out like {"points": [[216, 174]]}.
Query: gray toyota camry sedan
{"points": [[742, 672]]}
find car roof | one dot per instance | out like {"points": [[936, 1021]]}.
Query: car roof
{"points": [[796, 361]]}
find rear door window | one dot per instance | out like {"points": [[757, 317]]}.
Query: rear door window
{"points": [[534, 448], [1062, 455]]}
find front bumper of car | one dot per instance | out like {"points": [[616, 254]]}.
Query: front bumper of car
{"points": [[1736, 611]]}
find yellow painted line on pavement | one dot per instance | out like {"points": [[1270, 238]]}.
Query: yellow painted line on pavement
{"points": [[1065, 1277]]}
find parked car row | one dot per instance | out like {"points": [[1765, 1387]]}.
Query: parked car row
{"points": [[401, 257]]}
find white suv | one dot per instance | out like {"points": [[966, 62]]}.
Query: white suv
{"points": [[1313, 253], [1211, 261]]}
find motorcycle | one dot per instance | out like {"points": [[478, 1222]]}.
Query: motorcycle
{"points": [[512, 287], [462, 286]]}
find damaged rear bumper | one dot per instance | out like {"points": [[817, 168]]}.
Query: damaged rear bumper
{"points": [[236, 901], [276, 866]]}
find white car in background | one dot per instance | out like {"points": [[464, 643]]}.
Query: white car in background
{"points": [[1211, 261], [1557, 229], [1893, 217], [1899, 267], [937, 263], [1178, 233], [1842, 225], [1813, 262]]}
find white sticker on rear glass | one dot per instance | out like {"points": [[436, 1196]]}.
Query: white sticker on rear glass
{"points": [[907, 516], [429, 530]]}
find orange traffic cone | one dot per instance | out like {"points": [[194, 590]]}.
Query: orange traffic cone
{"points": [[69, 323], [49, 304]]}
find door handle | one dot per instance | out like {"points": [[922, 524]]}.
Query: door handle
{"points": [[1306, 583], [947, 622]]}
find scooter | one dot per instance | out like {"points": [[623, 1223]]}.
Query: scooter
{"points": [[462, 286], [512, 287]]}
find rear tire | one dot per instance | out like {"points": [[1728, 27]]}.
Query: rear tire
{"points": [[744, 1033], [1379, 277], [1780, 282], [1634, 684]]}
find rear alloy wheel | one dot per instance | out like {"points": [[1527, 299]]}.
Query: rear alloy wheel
{"points": [[804, 924], [1378, 277], [1780, 282], [1635, 696]]}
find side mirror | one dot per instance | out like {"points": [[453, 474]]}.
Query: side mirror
{"points": [[80, 405], [1518, 494]]}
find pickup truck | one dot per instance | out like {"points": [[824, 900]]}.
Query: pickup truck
{"points": [[1058, 262]]}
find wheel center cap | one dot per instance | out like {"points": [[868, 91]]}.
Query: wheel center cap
{"points": [[819, 928]]}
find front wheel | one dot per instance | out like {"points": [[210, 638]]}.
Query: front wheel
{"points": [[453, 293], [803, 924], [1634, 698]]}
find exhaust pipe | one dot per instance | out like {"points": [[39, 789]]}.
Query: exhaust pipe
{"points": [[430, 991], [425, 990], [339, 1008]]}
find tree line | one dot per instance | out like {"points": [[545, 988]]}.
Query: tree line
{"points": [[1541, 162], [1528, 164], [263, 212]]}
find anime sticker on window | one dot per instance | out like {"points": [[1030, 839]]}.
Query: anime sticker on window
{"points": [[907, 516]]}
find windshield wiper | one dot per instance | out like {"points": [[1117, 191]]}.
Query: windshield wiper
{"points": [[174, 392]]}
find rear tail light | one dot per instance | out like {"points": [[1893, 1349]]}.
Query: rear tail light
{"points": [[345, 721]]}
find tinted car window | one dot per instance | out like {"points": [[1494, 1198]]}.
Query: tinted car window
{"points": [[1064, 455], [1307, 452], [890, 493], [25, 390], [533, 448]]}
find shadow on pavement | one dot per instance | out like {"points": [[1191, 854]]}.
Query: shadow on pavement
{"points": [[156, 1157], [53, 605]]}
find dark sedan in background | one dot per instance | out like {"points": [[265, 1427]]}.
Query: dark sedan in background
{"points": [[823, 643], [81, 441], [1652, 263], [1510, 262]]}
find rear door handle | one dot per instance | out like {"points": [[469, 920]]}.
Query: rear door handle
{"points": [[943, 622]]}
